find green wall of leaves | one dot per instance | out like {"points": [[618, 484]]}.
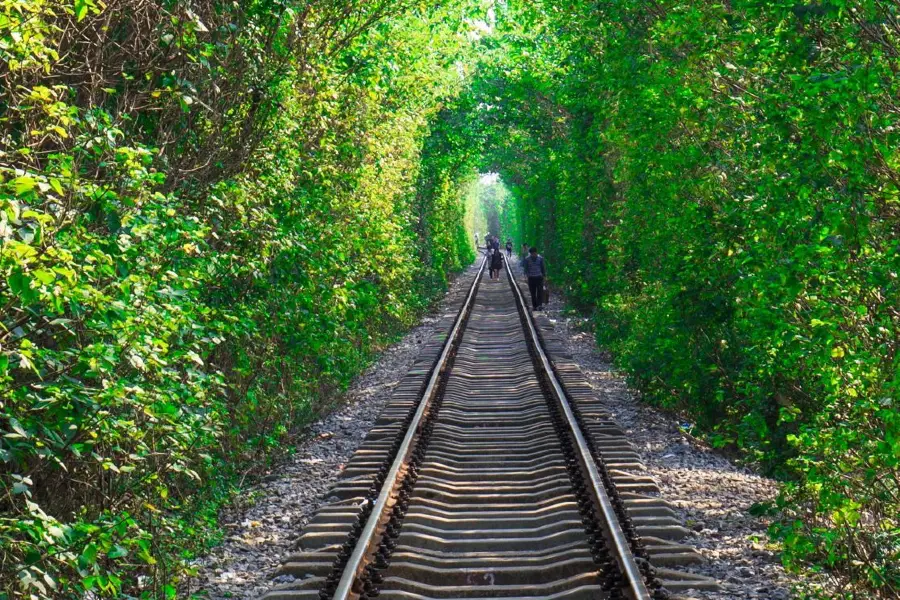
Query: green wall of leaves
{"points": [[717, 183], [212, 215]]}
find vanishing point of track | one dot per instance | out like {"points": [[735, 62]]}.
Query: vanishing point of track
{"points": [[486, 478]]}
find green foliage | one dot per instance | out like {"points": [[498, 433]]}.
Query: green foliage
{"points": [[500, 208], [211, 215], [475, 220], [718, 184]]}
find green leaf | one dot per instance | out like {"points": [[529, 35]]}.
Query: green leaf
{"points": [[24, 184], [44, 276], [89, 557], [20, 284], [81, 9], [17, 427]]}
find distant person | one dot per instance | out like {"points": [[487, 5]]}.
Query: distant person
{"points": [[535, 271], [476, 240], [496, 263], [508, 248], [524, 251]]}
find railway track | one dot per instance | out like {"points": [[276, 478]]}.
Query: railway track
{"points": [[493, 472]]}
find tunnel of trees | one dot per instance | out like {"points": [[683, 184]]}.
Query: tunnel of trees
{"points": [[214, 214]]}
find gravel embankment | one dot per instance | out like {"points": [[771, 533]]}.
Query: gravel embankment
{"points": [[261, 535], [712, 494]]}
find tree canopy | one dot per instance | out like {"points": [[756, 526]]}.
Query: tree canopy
{"points": [[213, 214]]}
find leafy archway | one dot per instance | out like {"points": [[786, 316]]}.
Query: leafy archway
{"points": [[213, 214]]}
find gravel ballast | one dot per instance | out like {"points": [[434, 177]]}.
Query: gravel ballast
{"points": [[259, 537], [711, 494]]}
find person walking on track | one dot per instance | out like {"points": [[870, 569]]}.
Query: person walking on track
{"points": [[508, 247], [496, 263], [536, 271], [476, 240]]}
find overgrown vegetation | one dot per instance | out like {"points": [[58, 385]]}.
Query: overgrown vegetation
{"points": [[718, 183], [211, 214], [500, 210]]}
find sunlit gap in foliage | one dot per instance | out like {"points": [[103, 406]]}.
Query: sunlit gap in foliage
{"points": [[491, 209]]}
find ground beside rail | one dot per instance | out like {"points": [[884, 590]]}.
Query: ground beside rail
{"points": [[260, 535], [711, 493]]}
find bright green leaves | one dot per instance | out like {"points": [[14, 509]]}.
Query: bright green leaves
{"points": [[195, 256], [81, 9], [717, 187], [20, 285], [24, 184], [88, 558]]}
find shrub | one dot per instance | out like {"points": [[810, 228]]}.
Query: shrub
{"points": [[718, 184], [208, 223]]}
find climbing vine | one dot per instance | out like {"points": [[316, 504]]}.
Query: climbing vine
{"points": [[718, 185], [210, 222], [212, 214]]}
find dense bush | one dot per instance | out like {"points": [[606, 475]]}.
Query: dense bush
{"points": [[718, 183], [210, 220], [212, 213]]}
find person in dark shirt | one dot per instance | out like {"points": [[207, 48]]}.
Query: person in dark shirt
{"points": [[496, 263], [508, 248], [535, 271]]}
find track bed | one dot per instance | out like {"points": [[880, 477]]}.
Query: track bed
{"points": [[493, 473]]}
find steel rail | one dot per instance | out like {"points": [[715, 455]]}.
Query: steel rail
{"points": [[370, 536], [622, 551]]}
